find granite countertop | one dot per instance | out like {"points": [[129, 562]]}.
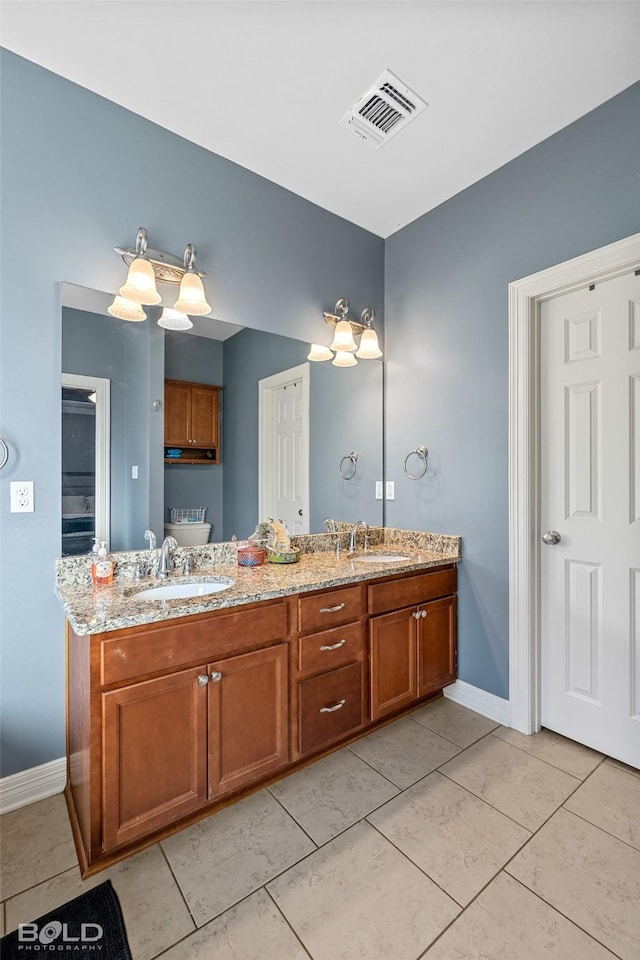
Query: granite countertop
{"points": [[114, 607]]}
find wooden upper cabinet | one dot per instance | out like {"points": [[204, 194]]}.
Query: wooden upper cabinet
{"points": [[192, 416]]}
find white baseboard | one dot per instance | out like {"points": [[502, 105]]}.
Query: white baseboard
{"points": [[37, 783], [495, 708]]}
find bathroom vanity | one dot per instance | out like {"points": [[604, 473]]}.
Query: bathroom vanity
{"points": [[171, 715]]}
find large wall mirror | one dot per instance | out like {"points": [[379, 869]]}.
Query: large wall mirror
{"points": [[343, 416]]}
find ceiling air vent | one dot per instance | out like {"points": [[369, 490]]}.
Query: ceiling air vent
{"points": [[381, 112]]}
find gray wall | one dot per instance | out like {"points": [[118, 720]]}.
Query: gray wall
{"points": [[188, 357], [79, 176], [446, 365]]}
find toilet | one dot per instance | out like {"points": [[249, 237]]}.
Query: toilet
{"points": [[188, 534]]}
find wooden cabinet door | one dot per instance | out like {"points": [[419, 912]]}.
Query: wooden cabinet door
{"points": [[248, 718], [154, 755], [436, 645], [393, 662], [177, 414], [204, 416]]}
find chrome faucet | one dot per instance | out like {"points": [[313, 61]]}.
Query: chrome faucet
{"points": [[166, 561], [331, 525], [353, 541], [151, 537]]}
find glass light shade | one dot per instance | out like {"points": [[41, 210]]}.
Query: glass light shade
{"points": [[125, 309], [318, 352], [343, 338], [369, 349], [174, 320], [344, 359], [191, 298], [141, 283]]}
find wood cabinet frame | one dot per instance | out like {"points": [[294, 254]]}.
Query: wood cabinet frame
{"points": [[305, 655]]}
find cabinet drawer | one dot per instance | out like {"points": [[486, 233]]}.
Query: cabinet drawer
{"points": [[167, 646], [324, 651], [327, 609], [330, 707], [394, 594]]}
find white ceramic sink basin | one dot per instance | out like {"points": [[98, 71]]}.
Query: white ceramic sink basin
{"points": [[381, 557], [179, 591]]}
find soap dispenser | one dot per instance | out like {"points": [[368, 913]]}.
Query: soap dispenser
{"points": [[102, 566]]}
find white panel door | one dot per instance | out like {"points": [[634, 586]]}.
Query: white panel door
{"points": [[590, 496], [288, 462], [283, 467]]}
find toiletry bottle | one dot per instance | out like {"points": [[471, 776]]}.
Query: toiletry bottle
{"points": [[102, 567]]}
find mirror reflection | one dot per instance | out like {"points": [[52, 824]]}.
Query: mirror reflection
{"points": [[284, 426]]}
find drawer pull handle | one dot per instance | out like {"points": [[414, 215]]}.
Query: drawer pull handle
{"points": [[333, 646], [337, 706], [335, 609]]}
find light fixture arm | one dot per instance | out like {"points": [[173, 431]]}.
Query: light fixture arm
{"points": [[190, 254], [367, 317], [142, 240]]}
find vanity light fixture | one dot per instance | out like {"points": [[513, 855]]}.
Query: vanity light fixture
{"points": [[344, 359], [126, 310], [147, 265], [345, 331], [191, 298], [174, 320], [369, 348]]}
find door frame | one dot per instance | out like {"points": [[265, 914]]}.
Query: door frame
{"points": [[525, 297], [266, 390], [102, 501]]}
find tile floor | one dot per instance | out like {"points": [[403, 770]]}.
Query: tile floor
{"points": [[441, 836]]}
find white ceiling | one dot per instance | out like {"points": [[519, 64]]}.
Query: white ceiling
{"points": [[265, 83]]}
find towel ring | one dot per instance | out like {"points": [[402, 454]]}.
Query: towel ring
{"points": [[352, 458], [420, 452], [4, 453]]}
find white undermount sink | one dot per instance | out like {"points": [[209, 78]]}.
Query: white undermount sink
{"points": [[381, 557], [180, 591]]}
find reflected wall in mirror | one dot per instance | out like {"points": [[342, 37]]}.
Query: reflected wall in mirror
{"points": [[345, 414]]}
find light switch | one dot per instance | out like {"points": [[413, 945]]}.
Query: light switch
{"points": [[134, 472], [391, 490], [379, 494]]}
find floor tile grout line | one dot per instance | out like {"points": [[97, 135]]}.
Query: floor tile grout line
{"points": [[297, 823], [557, 910], [288, 922], [34, 885], [493, 806], [449, 739], [597, 826], [375, 769], [548, 762], [177, 883], [417, 866]]}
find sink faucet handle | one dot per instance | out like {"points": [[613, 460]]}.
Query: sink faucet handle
{"points": [[151, 537]]}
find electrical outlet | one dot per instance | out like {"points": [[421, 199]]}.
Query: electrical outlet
{"points": [[21, 492], [379, 494], [391, 490]]}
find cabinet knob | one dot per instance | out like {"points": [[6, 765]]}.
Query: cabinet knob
{"points": [[203, 679], [336, 706], [416, 614], [423, 614], [216, 676]]}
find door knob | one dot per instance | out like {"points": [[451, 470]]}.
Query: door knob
{"points": [[551, 537]]}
